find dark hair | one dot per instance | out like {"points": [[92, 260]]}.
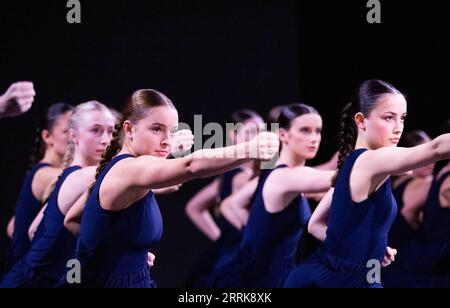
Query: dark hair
{"points": [[291, 112], [47, 122], [136, 108], [364, 100], [415, 137], [274, 113], [242, 115]]}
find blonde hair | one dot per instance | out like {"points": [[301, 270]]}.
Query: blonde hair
{"points": [[77, 117]]}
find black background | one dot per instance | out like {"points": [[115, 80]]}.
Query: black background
{"points": [[210, 58]]}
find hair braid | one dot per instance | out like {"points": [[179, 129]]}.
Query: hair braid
{"points": [[346, 138]]}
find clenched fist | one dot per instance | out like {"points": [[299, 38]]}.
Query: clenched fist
{"points": [[182, 142], [264, 146], [17, 99]]}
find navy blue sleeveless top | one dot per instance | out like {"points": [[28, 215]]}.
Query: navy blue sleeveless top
{"points": [[112, 246], [436, 228], [53, 245], [267, 252], [400, 230], [274, 236], [358, 232], [27, 209]]}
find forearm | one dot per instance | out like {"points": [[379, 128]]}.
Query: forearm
{"points": [[318, 230], [209, 162], [2, 106], [72, 221], [10, 228], [442, 145], [35, 224], [317, 225], [206, 224], [72, 225]]}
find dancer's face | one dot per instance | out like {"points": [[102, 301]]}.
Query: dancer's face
{"points": [[56, 138], [384, 126], [93, 135], [304, 136], [152, 135]]}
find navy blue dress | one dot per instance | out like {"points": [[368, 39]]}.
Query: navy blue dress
{"points": [[357, 233], [112, 246], [400, 231], [52, 246], [27, 209], [441, 272], [267, 251], [421, 258], [203, 272]]}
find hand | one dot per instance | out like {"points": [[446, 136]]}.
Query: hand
{"points": [[182, 141], [17, 99], [150, 259], [167, 190], [264, 146], [389, 257]]}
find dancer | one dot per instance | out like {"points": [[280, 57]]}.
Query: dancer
{"points": [[278, 211], [90, 131], [46, 162], [121, 220], [199, 208], [362, 206]]}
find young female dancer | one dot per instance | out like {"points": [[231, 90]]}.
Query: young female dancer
{"points": [[410, 192], [422, 257], [278, 210], [90, 131], [198, 209], [121, 220], [362, 207], [46, 162]]}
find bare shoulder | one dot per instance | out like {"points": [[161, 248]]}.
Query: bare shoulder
{"points": [[136, 162], [43, 178], [79, 179], [83, 174], [47, 174]]}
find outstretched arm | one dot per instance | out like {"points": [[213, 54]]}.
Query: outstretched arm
{"points": [[150, 172], [387, 161]]}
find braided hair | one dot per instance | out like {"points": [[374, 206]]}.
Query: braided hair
{"points": [[136, 108], [364, 100]]}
